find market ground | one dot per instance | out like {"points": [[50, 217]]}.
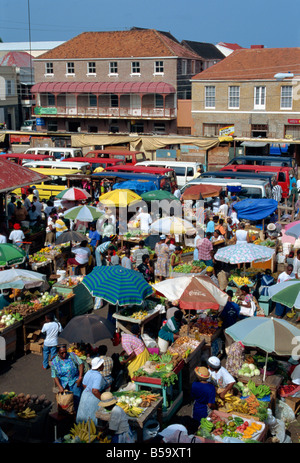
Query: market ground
{"points": [[25, 374]]}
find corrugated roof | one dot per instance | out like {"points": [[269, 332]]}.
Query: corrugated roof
{"points": [[21, 59], [103, 87], [119, 44], [13, 176], [251, 64]]}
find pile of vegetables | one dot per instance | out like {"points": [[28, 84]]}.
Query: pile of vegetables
{"points": [[16, 403], [248, 370], [8, 319], [163, 369], [260, 391], [232, 426]]}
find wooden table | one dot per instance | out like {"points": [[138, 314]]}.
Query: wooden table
{"points": [[138, 422], [121, 318]]}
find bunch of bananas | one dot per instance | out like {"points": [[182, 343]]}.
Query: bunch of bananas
{"points": [[206, 424], [130, 410], [262, 390], [240, 281], [232, 403], [85, 431], [27, 414]]}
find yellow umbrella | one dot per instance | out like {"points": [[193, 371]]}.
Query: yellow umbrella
{"points": [[119, 198]]}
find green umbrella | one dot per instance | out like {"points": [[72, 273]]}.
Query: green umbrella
{"points": [[286, 293], [83, 213], [157, 195], [10, 254]]}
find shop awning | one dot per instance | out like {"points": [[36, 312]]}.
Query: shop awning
{"points": [[13, 176], [103, 87]]}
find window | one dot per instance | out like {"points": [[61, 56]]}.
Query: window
{"points": [[210, 97], [159, 127], [51, 99], [92, 101], [92, 67], [113, 67], [10, 88], [286, 97], [159, 67], [49, 68], [70, 68], [135, 67], [259, 97], [193, 66], [159, 101], [234, 97], [184, 67], [114, 101]]}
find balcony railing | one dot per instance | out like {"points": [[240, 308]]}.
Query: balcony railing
{"points": [[115, 113]]}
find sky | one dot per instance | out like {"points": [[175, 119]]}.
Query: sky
{"points": [[257, 22]]}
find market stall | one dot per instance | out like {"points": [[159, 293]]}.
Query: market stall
{"points": [[48, 258], [140, 315], [83, 302]]}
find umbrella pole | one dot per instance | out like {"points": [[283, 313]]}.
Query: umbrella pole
{"points": [[265, 368]]}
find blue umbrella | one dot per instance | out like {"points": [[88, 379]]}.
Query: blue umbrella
{"points": [[117, 285]]}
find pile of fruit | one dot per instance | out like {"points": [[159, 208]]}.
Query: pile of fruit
{"points": [[74, 347], [186, 249], [184, 346], [240, 281], [83, 432], [135, 312], [25, 406], [131, 410], [194, 267], [8, 319], [232, 426], [248, 406]]}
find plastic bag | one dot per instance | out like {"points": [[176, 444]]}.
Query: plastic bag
{"points": [[149, 342], [284, 412]]}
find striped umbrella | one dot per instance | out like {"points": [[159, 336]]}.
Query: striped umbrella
{"points": [[117, 285], [83, 213], [73, 194]]}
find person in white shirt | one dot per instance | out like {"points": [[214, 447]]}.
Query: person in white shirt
{"points": [[36, 192], [51, 330], [280, 309], [223, 209], [38, 205], [222, 379], [145, 221], [296, 264], [177, 193], [82, 254], [17, 236], [126, 262], [241, 235], [50, 229]]}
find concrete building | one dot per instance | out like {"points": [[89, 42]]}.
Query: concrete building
{"points": [[119, 81]]}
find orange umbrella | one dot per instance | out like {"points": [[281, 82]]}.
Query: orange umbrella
{"points": [[205, 191]]}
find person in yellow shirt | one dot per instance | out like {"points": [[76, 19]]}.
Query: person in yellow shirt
{"points": [[60, 225]]}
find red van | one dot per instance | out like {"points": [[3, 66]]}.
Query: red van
{"points": [[21, 158], [282, 174], [127, 156], [97, 162]]}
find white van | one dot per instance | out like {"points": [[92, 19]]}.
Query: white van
{"points": [[185, 171], [57, 153], [80, 166], [249, 188]]}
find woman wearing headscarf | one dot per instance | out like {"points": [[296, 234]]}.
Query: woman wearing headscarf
{"points": [[136, 352], [162, 252], [235, 358]]}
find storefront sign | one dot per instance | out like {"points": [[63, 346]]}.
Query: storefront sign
{"points": [[229, 130], [38, 110], [294, 121]]}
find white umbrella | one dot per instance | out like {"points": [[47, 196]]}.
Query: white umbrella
{"points": [[172, 225], [18, 279], [83, 213]]}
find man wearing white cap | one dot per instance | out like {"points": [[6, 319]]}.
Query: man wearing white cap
{"points": [[93, 384], [222, 379]]}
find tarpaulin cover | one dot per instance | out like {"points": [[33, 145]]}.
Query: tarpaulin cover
{"points": [[137, 187], [255, 209]]}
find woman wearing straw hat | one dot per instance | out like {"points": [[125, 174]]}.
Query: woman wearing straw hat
{"points": [[203, 393], [118, 425]]}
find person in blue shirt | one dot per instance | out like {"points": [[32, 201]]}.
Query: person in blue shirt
{"points": [[203, 393], [210, 227], [95, 238], [230, 313], [292, 180]]}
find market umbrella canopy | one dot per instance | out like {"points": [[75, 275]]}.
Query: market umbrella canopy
{"points": [[193, 293], [83, 213], [197, 191], [293, 229], [158, 195], [10, 254], [172, 225], [88, 328], [119, 198], [117, 285], [70, 235], [18, 278], [73, 194], [286, 293], [272, 335], [243, 253]]}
